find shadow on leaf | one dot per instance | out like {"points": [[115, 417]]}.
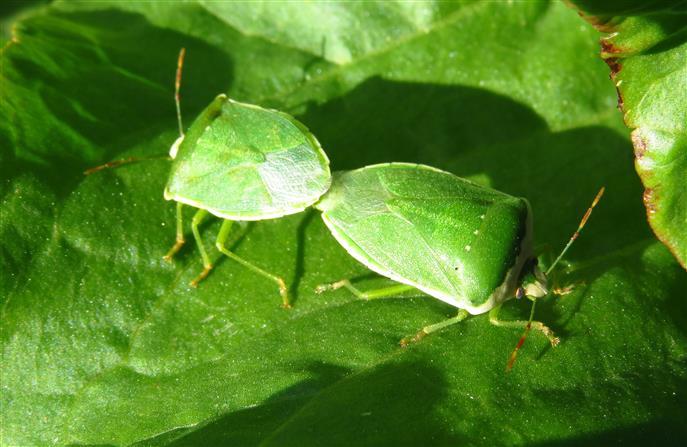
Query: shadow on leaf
{"points": [[494, 140], [390, 405], [84, 68]]}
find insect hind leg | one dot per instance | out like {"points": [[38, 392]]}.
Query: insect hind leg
{"points": [[425, 331], [220, 244], [381, 292]]}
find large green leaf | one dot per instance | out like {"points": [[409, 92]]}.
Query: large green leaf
{"points": [[645, 45], [105, 343]]}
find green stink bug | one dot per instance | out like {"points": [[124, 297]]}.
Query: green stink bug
{"points": [[465, 244], [241, 162]]}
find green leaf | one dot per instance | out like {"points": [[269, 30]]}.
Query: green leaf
{"points": [[10, 12], [645, 46], [105, 343]]}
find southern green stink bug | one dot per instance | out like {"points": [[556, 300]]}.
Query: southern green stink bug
{"points": [[243, 162], [465, 244], [240, 162]]}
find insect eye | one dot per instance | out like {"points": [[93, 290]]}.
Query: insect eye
{"points": [[519, 293]]}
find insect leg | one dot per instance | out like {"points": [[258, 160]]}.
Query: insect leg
{"points": [[382, 292], [522, 324], [198, 218], [180, 235], [564, 290], [425, 331], [222, 238]]}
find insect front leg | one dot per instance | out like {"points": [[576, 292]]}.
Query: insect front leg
{"points": [[220, 244], [564, 290], [198, 218], [180, 235], [522, 324]]}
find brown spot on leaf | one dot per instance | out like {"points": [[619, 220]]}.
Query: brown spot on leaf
{"points": [[650, 201], [639, 144], [608, 47], [601, 23], [615, 66]]}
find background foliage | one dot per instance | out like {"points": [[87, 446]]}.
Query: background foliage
{"points": [[104, 343], [645, 45]]}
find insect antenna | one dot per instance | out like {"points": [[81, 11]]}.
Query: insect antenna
{"points": [[579, 229], [528, 326], [120, 162], [177, 87], [177, 101]]}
